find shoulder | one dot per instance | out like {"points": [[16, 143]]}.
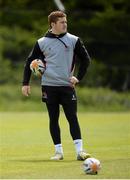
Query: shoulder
{"points": [[40, 40], [72, 39], [72, 36]]}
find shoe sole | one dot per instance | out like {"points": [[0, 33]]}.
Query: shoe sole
{"points": [[57, 159]]}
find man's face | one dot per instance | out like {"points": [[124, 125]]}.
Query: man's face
{"points": [[60, 26]]}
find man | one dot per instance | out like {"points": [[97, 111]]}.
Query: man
{"points": [[58, 49]]}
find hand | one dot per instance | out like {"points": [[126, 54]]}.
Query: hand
{"points": [[26, 90], [73, 81]]}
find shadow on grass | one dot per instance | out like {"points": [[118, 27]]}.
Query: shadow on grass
{"points": [[40, 161]]}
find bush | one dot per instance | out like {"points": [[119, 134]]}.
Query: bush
{"points": [[89, 99], [101, 99]]}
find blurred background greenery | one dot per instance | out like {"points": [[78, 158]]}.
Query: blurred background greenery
{"points": [[104, 27]]}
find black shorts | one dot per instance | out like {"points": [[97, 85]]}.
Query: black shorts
{"points": [[58, 94]]}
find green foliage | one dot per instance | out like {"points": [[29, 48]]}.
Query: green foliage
{"points": [[89, 99], [15, 45], [5, 70], [100, 99], [104, 27], [96, 75]]}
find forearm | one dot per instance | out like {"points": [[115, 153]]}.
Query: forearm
{"points": [[26, 74], [82, 70]]}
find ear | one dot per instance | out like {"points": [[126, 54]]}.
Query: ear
{"points": [[52, 24]]}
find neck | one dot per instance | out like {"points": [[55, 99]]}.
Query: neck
{"points": [[55, 32]]}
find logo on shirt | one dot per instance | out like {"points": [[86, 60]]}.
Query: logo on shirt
{"points": [[73, 97], [44, 95]]}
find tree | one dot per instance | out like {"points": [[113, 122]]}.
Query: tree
{"points": [[103, 25]]}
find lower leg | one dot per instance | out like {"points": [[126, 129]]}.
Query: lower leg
{"points": [[53, 111], [78, 145], [71, 115]]}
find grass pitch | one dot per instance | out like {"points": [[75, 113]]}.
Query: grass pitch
{"points": [[26, 146]]}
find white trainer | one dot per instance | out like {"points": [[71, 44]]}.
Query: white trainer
{"points": [[57, 156], [82, 156]]}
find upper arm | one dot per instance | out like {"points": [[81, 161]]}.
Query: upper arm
{"points": [[80, 50], [36, 53]]}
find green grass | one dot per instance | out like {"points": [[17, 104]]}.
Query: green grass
{"points": [[26, 146]]}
